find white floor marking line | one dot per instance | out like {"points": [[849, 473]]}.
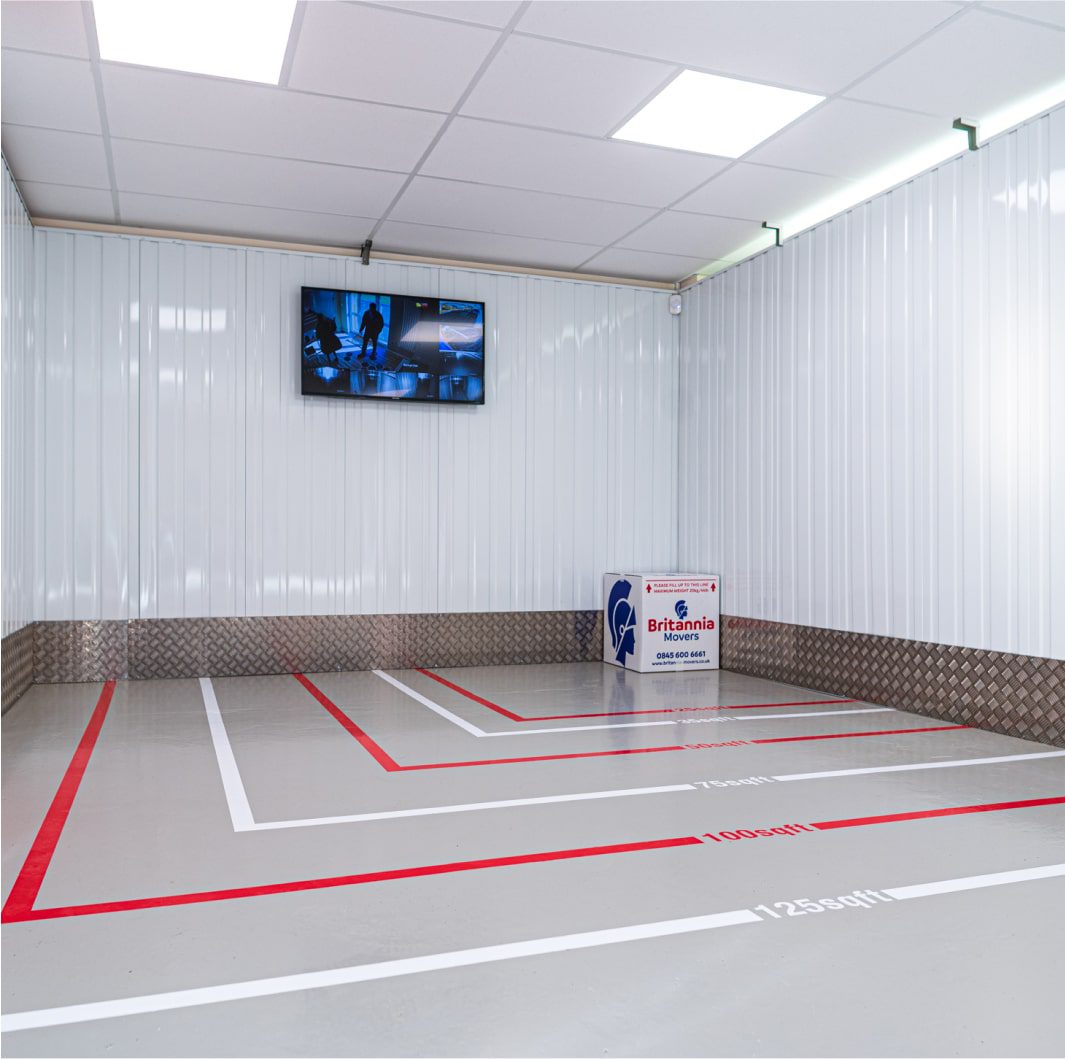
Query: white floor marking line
{"points": [[975, 882], [919, 765], [293, 983], [435, 810], [467, 726], [243, 820], [241, 814], [692, 720], [236, 797], [435, 707]]}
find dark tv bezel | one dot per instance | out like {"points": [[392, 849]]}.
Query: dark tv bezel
{"points": [[399, 400]]}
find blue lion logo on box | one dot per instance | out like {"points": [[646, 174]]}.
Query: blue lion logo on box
{"points": [[681, 608], [621, 615]]}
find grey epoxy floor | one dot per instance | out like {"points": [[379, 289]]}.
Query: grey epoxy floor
{"points": [[371, 864]]}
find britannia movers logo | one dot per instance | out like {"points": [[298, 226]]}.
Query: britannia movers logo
{"points": [[622, 617], [682, 625]]}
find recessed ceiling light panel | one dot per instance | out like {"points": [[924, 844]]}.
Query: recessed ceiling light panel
{"points": [[715, 115], [242, 39]]}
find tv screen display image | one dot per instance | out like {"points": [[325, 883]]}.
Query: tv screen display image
{"points": [[392, 346]]}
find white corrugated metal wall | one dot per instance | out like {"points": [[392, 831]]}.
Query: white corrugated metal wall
{"points": [[872, 418], [182, 473], [869, 428], [18, 411]]}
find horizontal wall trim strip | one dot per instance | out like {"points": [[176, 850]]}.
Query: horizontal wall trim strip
{"points": [[100, 228], [150, 648], [16, 665], [1013, 694], [1017, 695]]}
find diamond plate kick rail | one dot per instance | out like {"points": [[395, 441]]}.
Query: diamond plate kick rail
{"points": [[1018, 695]]}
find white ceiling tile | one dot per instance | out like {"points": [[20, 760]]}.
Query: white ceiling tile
{"points": [[971, 68], [171, 107], [60, 202], [692, 235], [400, 237], [563, 86], [849, 140], [49, 91], [760, 193], [486, 12], [814, 45], [638, 264], [56, 157], [1052, 11], [192, 215], [189, 172], [387, 56], [567, 165], [506, 211], [57, 26]]}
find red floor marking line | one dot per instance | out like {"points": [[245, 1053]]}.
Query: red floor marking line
{"points": [[959, 810], [389, 763], [200, 897], [855, 735], [472, 697], [622, 713], [28, 884], [376, 752], [350, 880], [545, 757]]}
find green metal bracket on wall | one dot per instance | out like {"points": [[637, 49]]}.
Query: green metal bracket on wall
{"points": [[775, 231], [964, 126]]}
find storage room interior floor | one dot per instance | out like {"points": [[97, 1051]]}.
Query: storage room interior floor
{"points": [[523, 860]]}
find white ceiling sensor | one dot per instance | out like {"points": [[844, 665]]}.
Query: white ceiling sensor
{"points": [[240, 39], [715, 115]]}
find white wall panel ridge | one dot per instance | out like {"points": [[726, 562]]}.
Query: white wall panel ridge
{"points": [[18, 410], [205, 485], [873, 412]]}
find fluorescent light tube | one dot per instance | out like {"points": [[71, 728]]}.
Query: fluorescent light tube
{"points": [[925, 158], [240, 39], [1021, 110], [715, 115]]}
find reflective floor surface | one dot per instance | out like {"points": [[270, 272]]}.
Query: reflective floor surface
{"points": [[521, 861]]}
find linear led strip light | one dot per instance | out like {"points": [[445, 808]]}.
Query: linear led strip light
{"points": [[240, 39], [927, 157]]}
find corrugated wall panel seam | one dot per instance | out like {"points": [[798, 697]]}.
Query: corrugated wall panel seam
{"points": [[911, 354], [19, 411], [245, 498]]}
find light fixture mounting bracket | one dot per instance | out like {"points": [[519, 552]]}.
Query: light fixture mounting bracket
{"points": [[969, 130], [775, 231], [366, 248]]}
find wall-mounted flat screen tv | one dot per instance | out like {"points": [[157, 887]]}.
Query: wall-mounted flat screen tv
{"points": [[392, 346]]}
